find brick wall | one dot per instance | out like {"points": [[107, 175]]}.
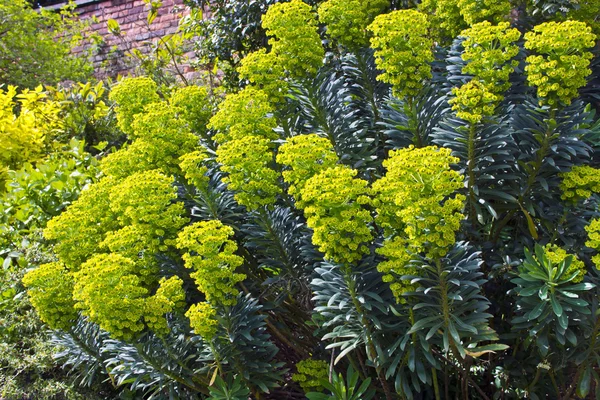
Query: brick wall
{"points": [[109, 59]]}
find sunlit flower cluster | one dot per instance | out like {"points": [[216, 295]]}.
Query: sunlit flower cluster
{"points": [[146, 199], [445, 18], [51, 293], [193, 168], [593, 230], [169, 297], [333, 202], [473, 101], [161, 137], [194, 105], [580, 183], [80, 229], [131, 96], [247, 163], [403, 50], [109, 292], [247, 113], [265, 72], [211, 254], [202, 320], [490, 51], [415, 208], [294, 37], [310, 374], [474, 11], [347, 20], [396, 266], [561, 60], [305, 156]]}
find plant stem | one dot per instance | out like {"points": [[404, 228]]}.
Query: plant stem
{"points": [[554, 385], [371, 351], [436, 387], [537, 166], [583, 365], [471, 174]]}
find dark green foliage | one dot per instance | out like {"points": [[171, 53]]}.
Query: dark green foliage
{"points": [[327, 108], [81, 351], [157, 367], [345, 391], [228, 389], [244, 347], [549, 300]]}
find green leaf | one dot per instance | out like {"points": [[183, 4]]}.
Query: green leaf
{"points": [[537, 311], [422, 323], [556, 307], [113, 27], [530, 223], [152, 14], [583, 386], [490, 348]]}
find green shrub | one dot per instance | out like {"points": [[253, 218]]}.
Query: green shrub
{"points": [[36, 46], [422, 214]]}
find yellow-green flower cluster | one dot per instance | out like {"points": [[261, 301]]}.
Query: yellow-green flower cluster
{"points": [[402, 50], [193, 168], [556, 255], [195, 106], [333, 203], [396, 266], [80, 229], [593, 230], [161, 137], [247, 113], [347, 20], [265, 72], [145, 202], [135, 218], [305, 156], [295, 39], [445, 18], [473, 101], [415, 209], [109, 292], [490, 51], [474, 11], [580, 183], [561, 61], [412, 197], [202, 320], [131, 96], [172, 290], [247, 163], [211, 254], [310, 374], [51, 293], [588, 12], [169, 296]]}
